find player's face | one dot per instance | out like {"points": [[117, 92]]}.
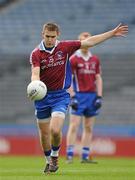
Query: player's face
{"points": [[84, 36], [49, 37]]}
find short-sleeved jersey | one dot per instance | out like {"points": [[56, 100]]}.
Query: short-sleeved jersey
{"points": [[55, 70], [84, 70]]}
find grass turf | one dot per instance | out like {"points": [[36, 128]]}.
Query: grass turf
{"points": [[31, 168]]}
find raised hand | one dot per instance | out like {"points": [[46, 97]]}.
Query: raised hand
{"points": [[121, 30]]}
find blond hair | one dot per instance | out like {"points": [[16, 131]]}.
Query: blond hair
{"points": [[50, 26]]}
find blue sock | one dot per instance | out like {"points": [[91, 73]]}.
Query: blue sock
{"points": [[55, 151], [55, 148], [47, 156], [47, 153], [70, 151], [85, 152]]}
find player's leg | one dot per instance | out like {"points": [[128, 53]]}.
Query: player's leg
{"points": [[44, 134], [88, 123], [43, 122], [60, 102], [71, 136], [56, 125]]}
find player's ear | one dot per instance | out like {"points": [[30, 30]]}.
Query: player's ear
{"points": [[58, 33], [42, 34]]}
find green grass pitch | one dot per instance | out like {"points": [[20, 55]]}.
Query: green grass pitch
{"points": [[31, 168]]}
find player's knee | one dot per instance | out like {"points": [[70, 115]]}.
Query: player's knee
{"points": [[88, 129], [73, 127], [45, 137], [56, 135], [44, 134], [55, 132]]}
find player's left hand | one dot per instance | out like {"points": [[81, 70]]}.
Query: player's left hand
{"points": [[120, 30], [74, 103], [98, 102]]}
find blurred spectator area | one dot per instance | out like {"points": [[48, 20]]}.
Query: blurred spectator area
{"points": [[20, 31], [4, 3], [21, 23]]}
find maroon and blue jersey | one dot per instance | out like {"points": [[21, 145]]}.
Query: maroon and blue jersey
{"points": [[55, 70], [84, 69]]}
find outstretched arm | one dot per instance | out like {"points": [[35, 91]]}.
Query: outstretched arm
{"points": [[120, 30]]}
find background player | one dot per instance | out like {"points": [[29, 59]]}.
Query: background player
{"points": [[50, 64], [86, 93]]}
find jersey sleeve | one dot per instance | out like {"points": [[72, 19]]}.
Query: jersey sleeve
{"points": [[34, 59], [72, 46], [98, 65]]}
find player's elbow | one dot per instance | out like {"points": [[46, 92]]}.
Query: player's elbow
{"points": [[87, 44]]}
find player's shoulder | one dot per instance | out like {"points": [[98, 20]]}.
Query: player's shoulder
{"points": [[95, 57], [63, 42], [70, 43], [36, 50], [75, 55]]}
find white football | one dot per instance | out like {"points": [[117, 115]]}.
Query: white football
{"points": [[36, 90]]}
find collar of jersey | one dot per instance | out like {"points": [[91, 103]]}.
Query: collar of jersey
{"points": [[79, 54], [42, 47]]}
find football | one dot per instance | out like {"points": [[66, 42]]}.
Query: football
{"points": [[36, 90]]}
